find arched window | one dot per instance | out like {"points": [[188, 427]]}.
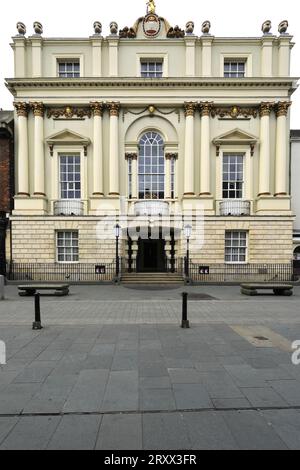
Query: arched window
{"points": [[151, 167]]}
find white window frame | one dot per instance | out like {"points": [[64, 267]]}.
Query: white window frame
{"points": [[69, 154], [61, 57], [233, 154], [64, 246], [239, 247], [146, 56], [246, 57]]}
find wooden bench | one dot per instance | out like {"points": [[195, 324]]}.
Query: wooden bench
{"points": [[31, 289], [278, 289]]}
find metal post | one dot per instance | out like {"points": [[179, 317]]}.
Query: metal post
{"points": [[117, 257], [37, 313], [2, 287], [188, 258], [185, 323]]}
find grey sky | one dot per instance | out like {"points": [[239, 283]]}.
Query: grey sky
{"points": [[71, 18]]}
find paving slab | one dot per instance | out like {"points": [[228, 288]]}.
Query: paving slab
{"points": [[88, 392], [157, 399], [122, 392], [165, 431], [75, 433], [286, 423], [120, 432], [191, 396]]}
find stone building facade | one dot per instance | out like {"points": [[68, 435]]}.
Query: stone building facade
{"points": [[154, 129], [6, 184]]}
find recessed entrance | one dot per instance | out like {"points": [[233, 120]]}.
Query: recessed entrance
{"points": [[151, 256]]}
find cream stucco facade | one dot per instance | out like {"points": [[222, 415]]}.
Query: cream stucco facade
{"points": [[201, 117]]}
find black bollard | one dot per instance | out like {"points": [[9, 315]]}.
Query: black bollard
{"points": [[37, 313], [185, 323]]}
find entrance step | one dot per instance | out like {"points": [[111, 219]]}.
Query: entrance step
{"points": [[152, 278]]}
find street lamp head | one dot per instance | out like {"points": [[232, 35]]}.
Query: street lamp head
{"points": [[117, 230], [187, 231]]}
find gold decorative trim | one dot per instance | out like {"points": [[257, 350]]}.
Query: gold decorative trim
{"points": [[206, 108], [171, 156], [68, 112], [97, 108], [234, 112], [282, 108], [190, 109], [21, 109], [38, 109], [265, 109], [114, 108], [131, 156]]}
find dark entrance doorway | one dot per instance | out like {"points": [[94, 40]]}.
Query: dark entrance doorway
{"points": [[151, 256]]}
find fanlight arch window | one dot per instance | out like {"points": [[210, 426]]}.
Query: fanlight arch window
{"points": [[151, 167]]}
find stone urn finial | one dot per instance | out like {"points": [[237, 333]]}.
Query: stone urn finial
{"points": [[283, 26], [97, 27], [113, 28], [266, 27], [189, 27], [21, 28], [38, 27], [206, 25]]}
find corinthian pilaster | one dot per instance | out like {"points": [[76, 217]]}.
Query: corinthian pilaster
{"points": [[97, 110], [281, 148], [39, 158], [114, 109], [23, 155], [189, 156], [205, 111], [265, 151]]}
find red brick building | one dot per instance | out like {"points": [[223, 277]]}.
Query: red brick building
{"points": [[6, 180]]}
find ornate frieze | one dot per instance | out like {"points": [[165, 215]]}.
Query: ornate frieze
{"points": [[114, 108], [265, 109], [234, 112], [38, 109], [97, 108], [282, 108], [190, 108], [69, 112], [21, 108]]}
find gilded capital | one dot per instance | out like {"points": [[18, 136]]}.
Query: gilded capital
{"points": [[265, 109], [97, 108], [38, 109], [131, 156], [171, 156], [190, 109], [114, 108], [21, 109], [206, 108], [282, 108]]}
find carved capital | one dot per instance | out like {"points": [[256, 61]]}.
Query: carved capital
{"points": [[38, 109], [206, 108], [131, 156], [114, 108], [282, 108], [190, 108], [171, 156], [265, 109], [97, 108], [21, 109]]}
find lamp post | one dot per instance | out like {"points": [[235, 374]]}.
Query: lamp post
{"points": [[187, 234], [117, 235]]}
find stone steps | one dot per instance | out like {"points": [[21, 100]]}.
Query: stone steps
{"points": [[152, 278]]}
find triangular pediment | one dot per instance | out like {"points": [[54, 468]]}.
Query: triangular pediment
{"points": [[235, 136], [67, 137]]}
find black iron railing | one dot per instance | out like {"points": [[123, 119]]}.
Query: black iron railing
{"points": [[240, 272], [73, 272]]}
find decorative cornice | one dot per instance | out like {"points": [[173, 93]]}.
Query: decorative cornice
{"points": [[38, 109], [282, 108], [68, 112], [265, 109], [234, 112], [114, 108], [190, 108], [97, 108], [21, 109], [206, 108]]}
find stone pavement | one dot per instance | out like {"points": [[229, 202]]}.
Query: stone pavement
{"points": [[118, 372]]}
